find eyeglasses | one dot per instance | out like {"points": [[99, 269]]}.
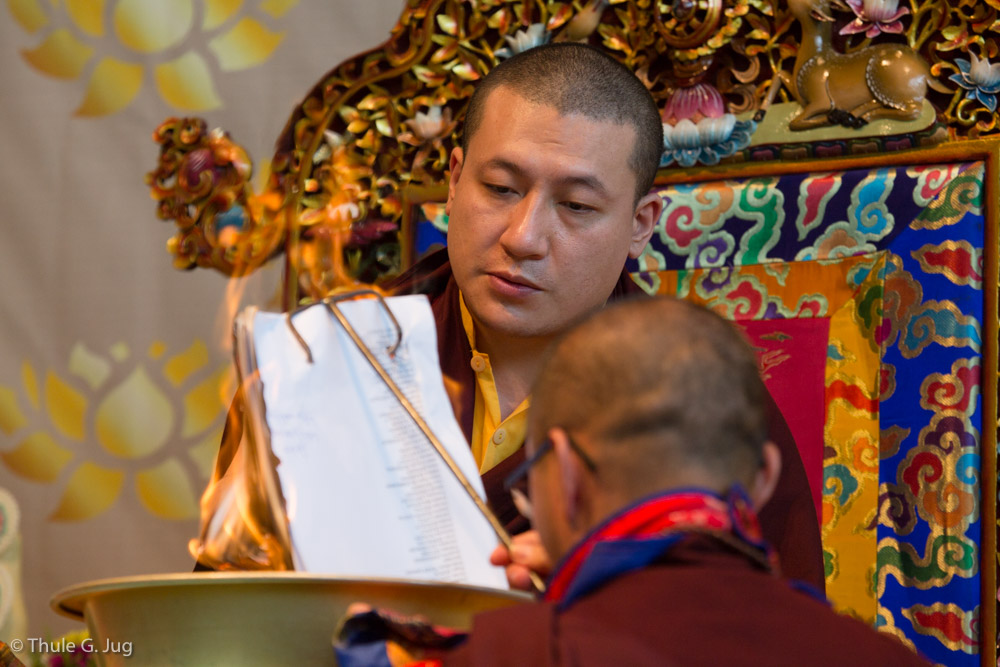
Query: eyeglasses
{"points": [[513, 481]]}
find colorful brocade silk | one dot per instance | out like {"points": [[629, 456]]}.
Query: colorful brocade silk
{"points": [[863, 293]]}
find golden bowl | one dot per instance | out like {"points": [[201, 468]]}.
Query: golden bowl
{"points": [[250, 618]]}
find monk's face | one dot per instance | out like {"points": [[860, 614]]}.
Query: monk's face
{"points": [[542, 216], [549, 514]]}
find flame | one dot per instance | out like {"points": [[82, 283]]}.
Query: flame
{"points": [[326, 231], [243, 525], [323, 256], [265, 215]]}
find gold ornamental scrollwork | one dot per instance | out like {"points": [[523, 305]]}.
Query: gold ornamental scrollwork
{"points": [[384, 122]]}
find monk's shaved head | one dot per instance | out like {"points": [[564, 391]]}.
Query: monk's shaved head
{"points": [[578, 79], [659, 386]]}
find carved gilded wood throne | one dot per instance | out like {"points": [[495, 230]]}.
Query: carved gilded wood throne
{"points": [[850, 230]]}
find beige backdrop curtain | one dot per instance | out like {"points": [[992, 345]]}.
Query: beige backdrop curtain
{"points": [[113, 365]]}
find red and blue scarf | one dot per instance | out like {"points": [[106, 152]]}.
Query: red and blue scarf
{"points": [[643, 532]]}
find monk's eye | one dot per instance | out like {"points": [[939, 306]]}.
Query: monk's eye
{"points": [[577, 207], [499, 189]]}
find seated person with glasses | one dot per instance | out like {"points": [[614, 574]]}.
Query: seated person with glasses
{"points": [[646, 436]]}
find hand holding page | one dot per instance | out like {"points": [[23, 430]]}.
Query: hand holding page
{"points": [[365, 492]]}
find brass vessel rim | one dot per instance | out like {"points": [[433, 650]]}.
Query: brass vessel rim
{"points": [[70, 601]]}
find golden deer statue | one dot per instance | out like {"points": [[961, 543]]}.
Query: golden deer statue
{"points": [[850, 89]]}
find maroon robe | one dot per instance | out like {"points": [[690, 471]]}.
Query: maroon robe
{"points": [[701, 603], [788, 519]]}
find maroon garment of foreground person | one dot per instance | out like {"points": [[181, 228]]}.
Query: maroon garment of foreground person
{"points": [[702, 601], [788, 519]]}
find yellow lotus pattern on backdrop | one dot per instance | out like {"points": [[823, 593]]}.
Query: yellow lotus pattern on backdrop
{"points": [[183, 43], [154, 422]]}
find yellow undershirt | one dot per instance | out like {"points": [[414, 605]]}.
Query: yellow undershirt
{"points": [[493, 439]]}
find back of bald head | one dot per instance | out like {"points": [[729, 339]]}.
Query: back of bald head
{"points": [[663, 388]]}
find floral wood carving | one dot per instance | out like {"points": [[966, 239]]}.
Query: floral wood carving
{"points": [[384, 122]]}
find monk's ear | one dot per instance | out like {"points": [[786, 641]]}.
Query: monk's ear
{"points": [[647, 214], [455, 165], [766, 479], [570, 476]]}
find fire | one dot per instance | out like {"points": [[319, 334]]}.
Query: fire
{"points": [[242, 517], [322, 259], [342, 222]]}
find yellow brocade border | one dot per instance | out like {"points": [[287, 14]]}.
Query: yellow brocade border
{"points": [[851, 462], [849, 292]]}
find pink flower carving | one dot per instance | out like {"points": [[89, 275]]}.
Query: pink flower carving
{"points": [[693, 103], [875, 16]]}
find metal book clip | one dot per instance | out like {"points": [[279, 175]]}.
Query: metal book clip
{"points": [[331, 304]]}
